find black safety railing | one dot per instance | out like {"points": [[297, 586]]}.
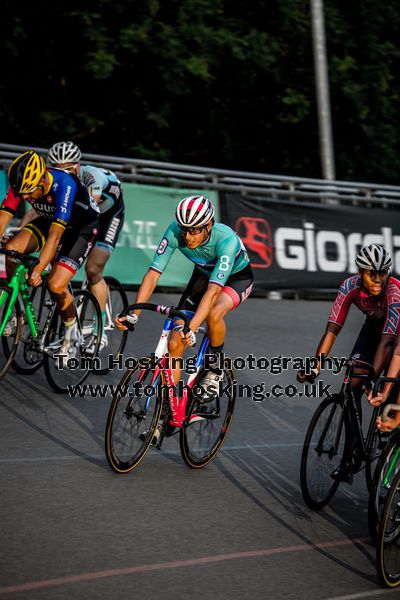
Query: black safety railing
{"points": [[277, 187]]}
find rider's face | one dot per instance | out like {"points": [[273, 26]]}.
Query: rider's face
{"points": [[374, 281], [71, 167], [195, 236], [35, 194]]}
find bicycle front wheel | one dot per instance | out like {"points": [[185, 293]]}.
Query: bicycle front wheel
{"points": [[12, 331], [323, 452], [132, 419], [388, 546], [386, 469], [29, 358], [63, 378], [207, 423]]}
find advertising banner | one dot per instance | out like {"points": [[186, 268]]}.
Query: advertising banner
{"points": [[148, 212], [306, 246]]}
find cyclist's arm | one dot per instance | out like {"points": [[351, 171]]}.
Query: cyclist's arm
{"points": [[327, 340], [383, 353], [147, 288], [8, 209], [393, 371], [31, 215], [206, 303], [50, 247], [5, 218]]}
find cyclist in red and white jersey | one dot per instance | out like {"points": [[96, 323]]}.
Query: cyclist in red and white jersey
{"points": [[377, 295]]}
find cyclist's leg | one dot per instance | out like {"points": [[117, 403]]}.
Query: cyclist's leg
{"points": [[94, 268], [364, 352], [74, 248], [110, 226], [237, 290], [189, 301]]}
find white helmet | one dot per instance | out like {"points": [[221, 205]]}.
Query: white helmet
{"points": [[194, 211], [373, 258], [64, 152]]}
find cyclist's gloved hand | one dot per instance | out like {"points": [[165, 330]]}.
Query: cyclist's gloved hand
{"points": [[126, 322], [189, 338], [302, 376], [35, 279], [376, 400], [8, 235]]}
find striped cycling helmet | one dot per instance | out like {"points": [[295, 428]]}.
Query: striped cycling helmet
{"points": [[194, 211], [64, 152], [373, 258], [26, 172]]}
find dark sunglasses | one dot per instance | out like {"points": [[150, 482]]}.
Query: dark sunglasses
{"points": [[191, 230]]}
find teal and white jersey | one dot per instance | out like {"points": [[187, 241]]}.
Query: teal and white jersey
{"points": [[103, 183], [221, 255]]}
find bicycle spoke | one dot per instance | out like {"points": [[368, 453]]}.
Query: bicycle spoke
{"points": [[132, 419], [322, 454]]}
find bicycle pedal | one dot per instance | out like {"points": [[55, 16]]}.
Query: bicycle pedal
{"points": [[343, 474]]}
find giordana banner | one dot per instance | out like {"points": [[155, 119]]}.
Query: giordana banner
{"points": [[308, 246]]}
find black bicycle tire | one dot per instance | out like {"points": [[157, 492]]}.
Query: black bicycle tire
{"points": [[126, 467], [117, 285], [183, 437], [385, 577], [311, 503], [11, 354], [373, 517], [27, 370], [47, 359]]}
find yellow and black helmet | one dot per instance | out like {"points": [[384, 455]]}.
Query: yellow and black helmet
{"points": [[26, 171]]}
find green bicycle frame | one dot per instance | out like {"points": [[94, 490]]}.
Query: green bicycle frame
{"points": [[18, 286], [391, 467]]}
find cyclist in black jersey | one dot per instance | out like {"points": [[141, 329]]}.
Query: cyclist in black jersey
{"points": [[63, 231]]}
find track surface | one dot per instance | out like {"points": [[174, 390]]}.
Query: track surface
{"points": [[238, 528]]}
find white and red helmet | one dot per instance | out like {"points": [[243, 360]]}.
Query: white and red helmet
{"points": [[194, 211]]}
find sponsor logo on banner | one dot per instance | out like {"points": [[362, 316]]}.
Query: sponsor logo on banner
{"points": [[305, 249], [256, 236], [309, 249]]}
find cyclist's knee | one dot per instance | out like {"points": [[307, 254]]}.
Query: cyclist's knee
{"points": [[216, 315], [175, 345], [57, 287], [94, 273]]}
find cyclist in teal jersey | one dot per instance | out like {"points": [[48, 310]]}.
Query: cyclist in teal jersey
{"points": [[222, 278]]}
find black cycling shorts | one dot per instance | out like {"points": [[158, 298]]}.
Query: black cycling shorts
{"points": [[368, 341], [238, 287], [110, 225], [74, 246]]}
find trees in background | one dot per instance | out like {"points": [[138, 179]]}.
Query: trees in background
{"points": [[209, 82]]}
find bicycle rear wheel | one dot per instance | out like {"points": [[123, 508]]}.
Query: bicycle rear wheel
{"points": [[132, 419], [386, 469], [116, 340], [207, 424], [323, 452], [89, 328], [388, 546], [12, 332]]}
